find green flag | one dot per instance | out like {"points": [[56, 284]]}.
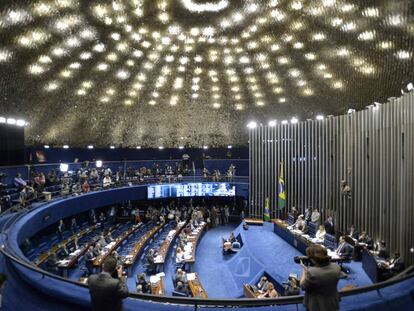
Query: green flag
{"points": [[282, 194], [266, 214]]}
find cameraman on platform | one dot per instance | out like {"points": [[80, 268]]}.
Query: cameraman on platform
{"points": [[320, 281]]}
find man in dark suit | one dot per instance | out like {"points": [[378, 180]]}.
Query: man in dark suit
{"points": [[89, 258], [353, 233], [329, 226], [320, 281], [344, 249], [107, 292]]}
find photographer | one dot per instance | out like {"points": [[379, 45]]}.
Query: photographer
{"points": [[320, 281], [107, 292]]}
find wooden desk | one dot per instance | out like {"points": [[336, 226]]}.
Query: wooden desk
{"points": [[98, 260], [254, 221], [43, 257], [196, 289], [193, 240], [248, 292], [165, 246], [132, 256], [158, 289]]}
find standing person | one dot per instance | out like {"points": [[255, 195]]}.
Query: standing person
{"points": [[107, 292], [61, 229], [320, 281], [329, 226], [3, 279], [315, 217]]}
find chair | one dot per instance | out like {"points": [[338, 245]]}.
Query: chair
{"points": [[312, 228], [235, 247]]}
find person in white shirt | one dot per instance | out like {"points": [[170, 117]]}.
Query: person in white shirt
{"points": [[320, 234], [315, 217], [179, 256], [106, 181]]}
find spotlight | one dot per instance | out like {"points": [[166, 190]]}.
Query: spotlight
{"points": [[294, 120], [412, 250], [284, 121], [252, 125], [161, 147], [319, 117], [11, 121], [205, 147], [46, 146], [272, 123], [229, 146], [2, 120], [20, 122], [99, 164], [90, 147], [350, 110], [111, 147], [180, 147], [64, 167], [65, 146], [138, 147]]}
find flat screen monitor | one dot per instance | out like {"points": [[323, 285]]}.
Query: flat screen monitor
{"points": [[213, 189]]}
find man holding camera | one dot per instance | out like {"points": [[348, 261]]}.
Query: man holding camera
{"points": [[320, 281], [107, 292]]}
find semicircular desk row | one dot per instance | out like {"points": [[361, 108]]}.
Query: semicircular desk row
{"points": [[28, 224]]}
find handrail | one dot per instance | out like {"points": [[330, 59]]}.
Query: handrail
{"points": [[246, 302]]}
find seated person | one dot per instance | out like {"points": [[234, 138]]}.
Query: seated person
{"points": [[108, 238], [344, 250], [52, 264], [74, 226], [97, 250], [179, 256], [353, 233], [73, 245], [139, 289], [226, 246], [151, 261], [382, 251], [62, 253], [300, 224], [181, 276], [263, 284], [292, 288], [102, 242], [320, 234], [19, 182], [245, 226], [270, 293], [89, 258], [392, 267], [181, 288], [232, 238], [141, 281], [106, 183]]}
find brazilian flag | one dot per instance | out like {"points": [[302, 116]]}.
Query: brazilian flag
{"points": [[282, 194], [266, 214]]}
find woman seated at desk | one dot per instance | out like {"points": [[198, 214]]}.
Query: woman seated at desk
{"points": [[270, 293], [263, 284], [320, 235]]}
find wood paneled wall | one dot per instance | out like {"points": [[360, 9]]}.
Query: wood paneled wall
{"points": [[373, 150]]}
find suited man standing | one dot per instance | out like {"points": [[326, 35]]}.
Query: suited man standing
{"points": [[329, 226], [353, 233], [107, 292], [320, 281]]}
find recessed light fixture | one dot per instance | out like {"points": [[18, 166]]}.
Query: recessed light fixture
{"points": [[319, 117], [161, 147], [285, 122], [180, 147], [294, 120], [138, 147], [229, 146], [252, 125], [111, 147], [90, 147], [205, 147], [272, 123], [65, 146], [46, 146]]}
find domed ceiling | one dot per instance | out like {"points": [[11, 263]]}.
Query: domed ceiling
{"points": [[193, 72]]}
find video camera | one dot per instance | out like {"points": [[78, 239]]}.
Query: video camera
{"points": [[304, 259]]}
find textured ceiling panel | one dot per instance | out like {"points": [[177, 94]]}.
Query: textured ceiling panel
{"points": [[173, 72]]}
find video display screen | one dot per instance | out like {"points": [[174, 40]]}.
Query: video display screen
{"points": [[218, 189]]}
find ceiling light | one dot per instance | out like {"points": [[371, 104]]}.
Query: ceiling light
{"points": [[65, 146], [205, 147], [229, 146], [46, 146], [11, 121], [90, 147], [350, 110], [294, 120], [3, 120], [319, 117], [285, 122], [161, 147], [272, 123], [252, 125], [181, 147], [20, 122], [138, 147], [111, 147]]}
